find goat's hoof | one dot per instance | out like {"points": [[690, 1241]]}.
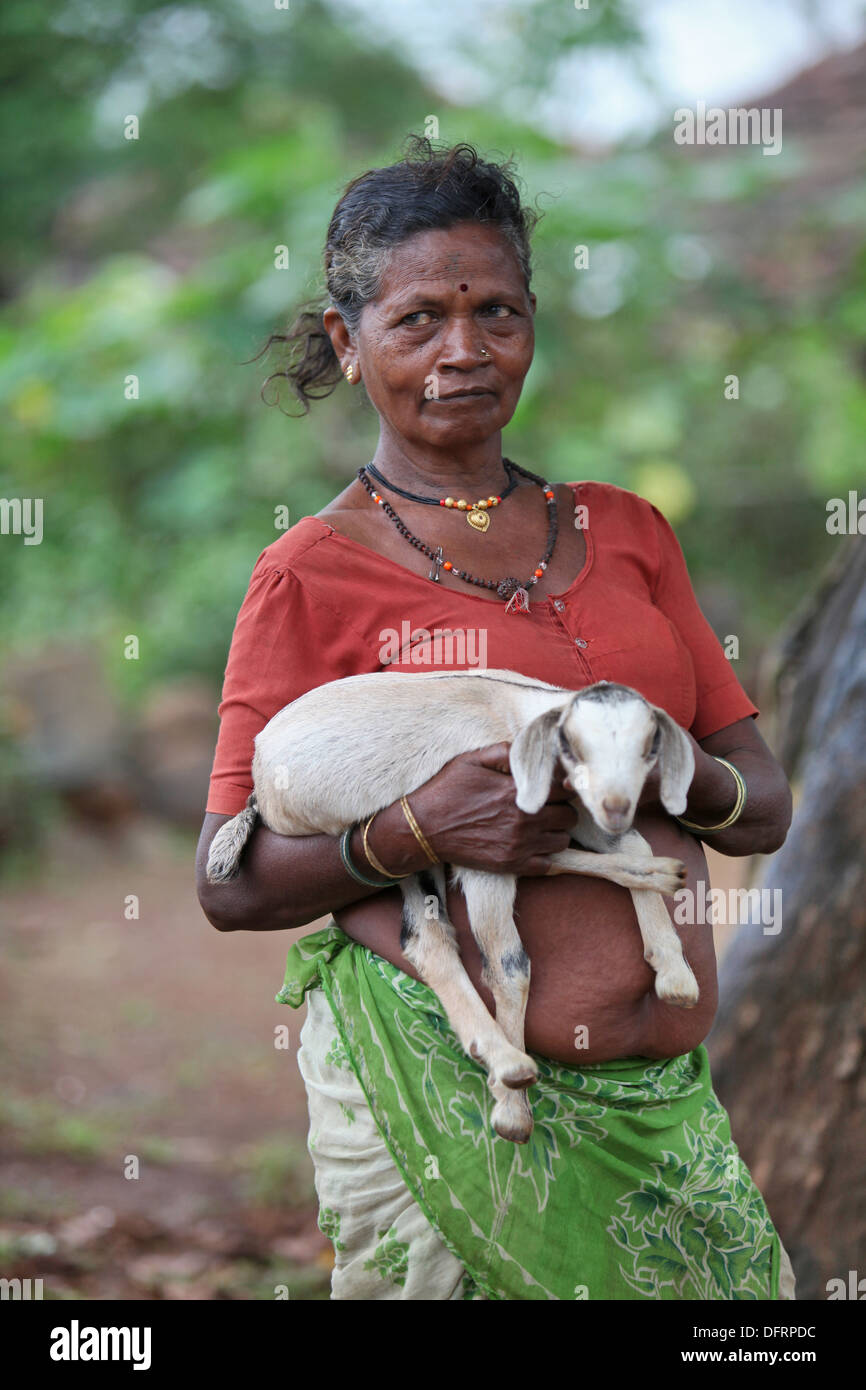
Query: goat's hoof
{"points": [[519, 1075], [677, 985], [669, 875], [512, 1123], [514, 1136]]}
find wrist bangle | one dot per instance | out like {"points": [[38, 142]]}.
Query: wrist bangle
{"points": [[371, 858], [417, 831], [738, 805], [350, 867]]}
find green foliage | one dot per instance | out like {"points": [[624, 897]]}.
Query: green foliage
{"points": [[155, 257]]}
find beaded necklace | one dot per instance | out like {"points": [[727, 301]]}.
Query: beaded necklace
{"points": [[476, 513], [510, 589]]}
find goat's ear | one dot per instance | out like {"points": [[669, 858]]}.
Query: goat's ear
{"points": [[532, 760], [676, 762]]}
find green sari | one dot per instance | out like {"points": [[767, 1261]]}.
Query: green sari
{"points": [[629, 1188]]}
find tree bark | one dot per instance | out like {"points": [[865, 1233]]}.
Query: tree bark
{"points": [[788, 1045]]}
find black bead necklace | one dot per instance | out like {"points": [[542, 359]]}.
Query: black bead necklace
{"points": [[476, 513], [515, 594]]}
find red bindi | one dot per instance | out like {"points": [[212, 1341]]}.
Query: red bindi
{"points": [[464, 287]]}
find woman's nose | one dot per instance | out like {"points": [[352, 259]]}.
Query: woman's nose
{"points": [[462, 345]]}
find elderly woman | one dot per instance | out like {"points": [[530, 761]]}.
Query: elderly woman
{"points": [[441, 551]]}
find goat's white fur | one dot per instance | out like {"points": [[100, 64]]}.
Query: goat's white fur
{"points": [[354, 746]]}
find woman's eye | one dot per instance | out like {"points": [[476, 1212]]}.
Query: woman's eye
{"points": [[421, 317]]}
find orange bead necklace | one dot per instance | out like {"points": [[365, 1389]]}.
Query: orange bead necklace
{"points": [[510, 589]]}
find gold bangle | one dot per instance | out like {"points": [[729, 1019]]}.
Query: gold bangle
{"points": [[738, 805], [371, 858], [417, 831]]}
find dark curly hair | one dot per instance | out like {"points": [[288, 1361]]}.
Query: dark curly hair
{"points": [[428, 188]]}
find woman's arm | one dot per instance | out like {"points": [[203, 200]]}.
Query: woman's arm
{"points": [[467, 812], [288, 882], [720, 700], [766, 817]]}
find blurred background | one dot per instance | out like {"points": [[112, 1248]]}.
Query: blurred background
{"points": [[132, 1029]]}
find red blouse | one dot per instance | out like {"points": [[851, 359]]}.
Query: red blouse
{"points": [[321, 605]]}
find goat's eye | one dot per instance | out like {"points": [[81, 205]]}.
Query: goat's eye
{"points": [[657, 738]]}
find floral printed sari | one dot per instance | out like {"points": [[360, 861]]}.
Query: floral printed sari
{"points": [[630, 1187]]}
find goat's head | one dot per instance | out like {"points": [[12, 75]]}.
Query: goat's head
{"points": [[608, 738]]}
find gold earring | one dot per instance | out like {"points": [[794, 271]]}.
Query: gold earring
{"points": [[350, 372]]}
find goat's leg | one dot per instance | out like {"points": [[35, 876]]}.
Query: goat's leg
{"points": [[430, 945], [646, 877], [662, 948], [630, 870], [505, 971]]}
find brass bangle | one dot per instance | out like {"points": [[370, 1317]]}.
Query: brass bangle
{"points": [[417, 831], [371, 858], [738, 805]]}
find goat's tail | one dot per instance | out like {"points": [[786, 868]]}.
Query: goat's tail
{"points": [[224, 857]]}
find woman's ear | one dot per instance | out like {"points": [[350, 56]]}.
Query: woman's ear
{"points": [[676, 761], [532, 759], [335, 327]]}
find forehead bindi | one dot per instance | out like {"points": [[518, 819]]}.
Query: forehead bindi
{"points": [[431, 267]]}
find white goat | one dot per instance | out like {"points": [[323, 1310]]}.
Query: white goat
{"points": [[353, 746]]}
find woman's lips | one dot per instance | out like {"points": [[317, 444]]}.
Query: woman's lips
{"points": [[464, 396]]}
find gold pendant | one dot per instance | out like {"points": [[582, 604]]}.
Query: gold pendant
{"points": [[477, 518]]}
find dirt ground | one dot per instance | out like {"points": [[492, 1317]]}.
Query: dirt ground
{"points": [[148, 1039], [153, 1141]]}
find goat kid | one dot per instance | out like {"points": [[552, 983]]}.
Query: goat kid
{"points": [[353, 746]]}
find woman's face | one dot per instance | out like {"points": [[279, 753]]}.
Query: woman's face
{"points": [[447, 294]]}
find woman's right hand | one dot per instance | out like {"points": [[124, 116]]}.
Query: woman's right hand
{"points": [[469, 815], [467, 812]]}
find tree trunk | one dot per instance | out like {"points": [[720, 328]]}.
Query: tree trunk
{"points": [[788, 1045]]}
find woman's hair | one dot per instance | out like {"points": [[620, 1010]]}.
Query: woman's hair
{"points": [[378, 210]]}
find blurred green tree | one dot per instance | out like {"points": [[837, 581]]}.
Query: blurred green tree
{"points": [[154, 258]]}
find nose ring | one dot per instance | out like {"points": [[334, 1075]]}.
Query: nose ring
{"points": [[484, 352]]}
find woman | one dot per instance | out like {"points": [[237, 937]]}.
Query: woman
{"points": [[631, 1186]]}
